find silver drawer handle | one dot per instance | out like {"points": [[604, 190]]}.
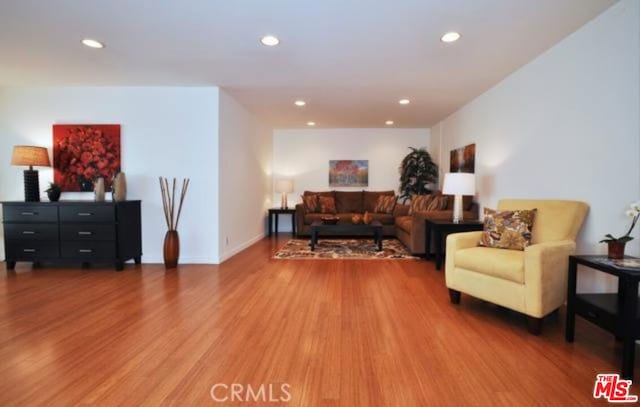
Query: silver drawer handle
{"points": [[81, 233], [85, 251], [28, 213], [85, 213], [29, 250], [28, 232]]}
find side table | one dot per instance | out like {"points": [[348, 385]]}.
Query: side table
{"points": [[438, 229], [275, 212], [616, 313]]}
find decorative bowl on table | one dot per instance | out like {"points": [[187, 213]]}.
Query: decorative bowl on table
{"points": [[330, 220]]}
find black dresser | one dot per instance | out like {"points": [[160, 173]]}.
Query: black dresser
{"points": [[72, 231]]}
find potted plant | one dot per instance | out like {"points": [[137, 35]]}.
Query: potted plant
{"points": [[616, 244], [417, 173], [53, 192]]}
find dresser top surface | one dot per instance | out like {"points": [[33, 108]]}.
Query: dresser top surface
{"points": [[69, 202]]}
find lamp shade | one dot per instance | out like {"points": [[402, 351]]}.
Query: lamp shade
{"points": [[30, 156], [459, 183], [284, 185]]}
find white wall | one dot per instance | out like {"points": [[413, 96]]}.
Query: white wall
{"points": [[245, 176], [165, 131], [303, 155], [564, 126]]}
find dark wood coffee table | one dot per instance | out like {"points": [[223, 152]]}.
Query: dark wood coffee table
{"points": [[374, 228]]}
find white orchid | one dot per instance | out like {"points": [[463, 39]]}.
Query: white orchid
{"points": [[634, 213]]}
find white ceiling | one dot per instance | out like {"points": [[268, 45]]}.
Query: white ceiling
{"points": [[350, 60]]}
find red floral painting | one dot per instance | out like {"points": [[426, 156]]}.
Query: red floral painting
{"points": [[84, 152]]}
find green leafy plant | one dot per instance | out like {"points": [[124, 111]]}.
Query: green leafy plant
{"points": [[53, 187], [417, 173], [634, 213]]}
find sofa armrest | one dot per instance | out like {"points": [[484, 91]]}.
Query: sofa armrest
{"points": [[400, 210], [455, 242], [545, 276]]}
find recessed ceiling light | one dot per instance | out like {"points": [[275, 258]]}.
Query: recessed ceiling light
{"points": [[311, 123], [404, 101], [92, 43], [389, 122], [270, 40], [300, 103], [450, 37]]}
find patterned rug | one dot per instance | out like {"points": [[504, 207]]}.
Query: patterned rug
{"points": [[360, 249]]}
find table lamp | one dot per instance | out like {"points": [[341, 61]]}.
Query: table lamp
{"points": [[458, 184], [284, 186], [30, 156]]}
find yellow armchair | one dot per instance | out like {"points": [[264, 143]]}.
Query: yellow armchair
{"points": [[533, 281]]}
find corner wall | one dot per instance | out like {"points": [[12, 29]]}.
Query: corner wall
{"points": [[168, 131], [566, 125], [245, 177]]}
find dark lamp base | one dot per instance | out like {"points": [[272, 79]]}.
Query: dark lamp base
{"points": [[31, 186]]}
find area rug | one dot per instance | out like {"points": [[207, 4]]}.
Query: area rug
{"points": [[360, 249]]}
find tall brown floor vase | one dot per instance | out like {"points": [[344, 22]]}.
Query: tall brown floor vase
{"points": [[171, 249]]}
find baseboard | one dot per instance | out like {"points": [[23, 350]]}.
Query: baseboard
{"points": [[229, 254]]}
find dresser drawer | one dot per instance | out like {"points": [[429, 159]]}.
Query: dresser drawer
{"points": [[31, 231], [31, 249], [89, 231], [90, 250], [87, 213], [30, 213]]}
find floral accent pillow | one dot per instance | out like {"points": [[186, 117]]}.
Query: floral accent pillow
{"points": [[438, 203], [507, 229], [327, 204], [310, 203], [385, 204], [420, 203]]}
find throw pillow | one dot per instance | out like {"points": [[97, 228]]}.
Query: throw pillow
{"points": [[438, 203], [385, 204], [507, 229], [327, 204], [310, 203], [419, 203]]}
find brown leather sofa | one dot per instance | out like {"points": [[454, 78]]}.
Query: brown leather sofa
{"points": [[349, 203], [410, 229]]}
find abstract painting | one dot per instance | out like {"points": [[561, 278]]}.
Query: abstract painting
{"points": [[463, 159], [84, 152], [348, 173]]}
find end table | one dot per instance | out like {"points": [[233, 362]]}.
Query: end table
{"points": [[616, 313], [439, 229], [275, 212]]}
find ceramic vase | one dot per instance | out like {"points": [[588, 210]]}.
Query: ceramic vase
{"points": [[171, 250], [54, 195], [98, 190], [119, 187], [616, 250]]}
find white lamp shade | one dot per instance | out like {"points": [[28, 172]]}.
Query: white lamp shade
{"points": [[459, 183], [284, 185]]}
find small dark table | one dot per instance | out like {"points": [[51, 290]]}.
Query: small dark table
{"points": [[616, 313], [375, 228], [276, 212], [440, 228]]}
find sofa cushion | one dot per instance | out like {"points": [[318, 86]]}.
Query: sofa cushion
{"points": [[385, 204], [507, 229], [383, 218], [404, 223], [504, 264], [327, 204], [349, 201], [370, 199]]}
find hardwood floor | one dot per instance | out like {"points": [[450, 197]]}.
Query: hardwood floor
{"points": [[341, 333]]}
